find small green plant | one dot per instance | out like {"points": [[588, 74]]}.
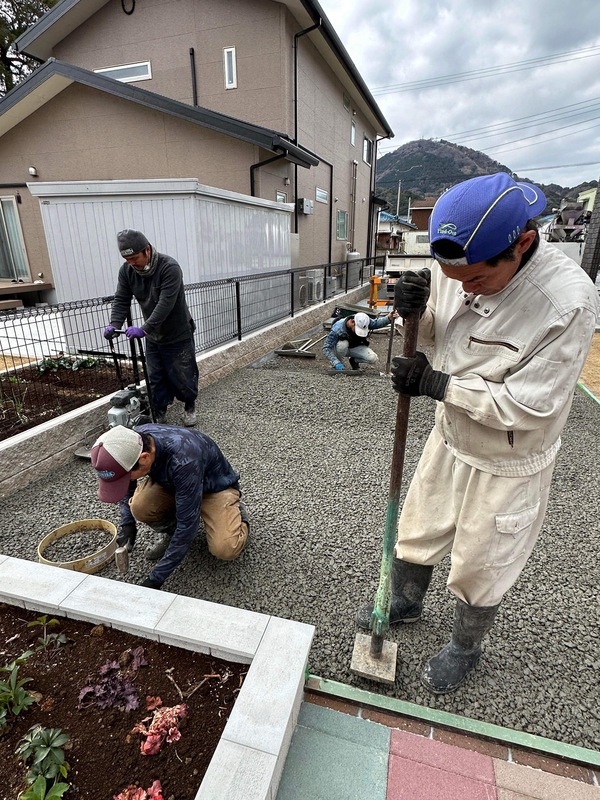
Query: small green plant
{"points": [[37, 791], [13, 697], [47, 639], [69, 362], [44, 748]]}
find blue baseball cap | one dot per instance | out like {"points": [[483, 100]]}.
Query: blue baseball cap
{"points": [[484, 216]]}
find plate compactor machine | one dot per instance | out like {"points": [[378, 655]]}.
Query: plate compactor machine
{"points": [[132, 404]]}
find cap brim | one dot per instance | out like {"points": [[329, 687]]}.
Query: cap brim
{"points": [[361, 331], [113, 491]]}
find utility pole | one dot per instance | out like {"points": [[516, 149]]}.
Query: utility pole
{"points": [[414, 166]]}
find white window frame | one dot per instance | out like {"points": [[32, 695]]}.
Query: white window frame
{"points": [[353, 133], [321, 195], [341, 217], [367, 150], [230, 69], [13, 247], [128, 79], [281, 197]]}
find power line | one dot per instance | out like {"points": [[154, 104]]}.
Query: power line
{"points": [[557, 166], [520, 128], [506, 127], [486, 72], [538, 135]]}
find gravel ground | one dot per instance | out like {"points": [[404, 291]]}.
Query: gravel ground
{"points": [[314, 452]]}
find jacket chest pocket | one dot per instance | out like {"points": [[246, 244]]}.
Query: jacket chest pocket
{"points": [[491, 357], [493, 346]]}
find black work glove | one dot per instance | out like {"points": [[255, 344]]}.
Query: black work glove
{"points": [[412, 292], [126, 534], [150, 584], [416, 377]]}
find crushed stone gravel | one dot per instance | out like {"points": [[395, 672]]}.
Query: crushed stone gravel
{"points": [[314, 451]]}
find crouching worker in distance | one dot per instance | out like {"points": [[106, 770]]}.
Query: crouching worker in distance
{"points": [[349, 338], [169, 478]]}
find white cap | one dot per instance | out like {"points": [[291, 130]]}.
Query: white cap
{"points": [[114, 455], [361, 324]]}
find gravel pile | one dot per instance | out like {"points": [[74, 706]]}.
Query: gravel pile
{"points": [[314, 452]]}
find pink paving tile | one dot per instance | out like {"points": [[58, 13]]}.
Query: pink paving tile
{"points": [[411, 780], [445, 757]]}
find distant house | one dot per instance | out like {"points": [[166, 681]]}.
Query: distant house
{"points": [[391, 233], [252, 99], [420, 211]]}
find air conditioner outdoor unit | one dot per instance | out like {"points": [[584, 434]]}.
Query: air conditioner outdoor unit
{"points": [[300, 291], [315, 285], [353, 268], [331, 285]]}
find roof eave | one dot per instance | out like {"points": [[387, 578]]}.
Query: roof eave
{"points": [[57, 75]]}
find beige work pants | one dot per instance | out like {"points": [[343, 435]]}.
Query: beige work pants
{"points": [[226, 533], [489, 524]]}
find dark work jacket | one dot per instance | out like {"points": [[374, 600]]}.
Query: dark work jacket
{"points": [[188, 464], [161, 297]]}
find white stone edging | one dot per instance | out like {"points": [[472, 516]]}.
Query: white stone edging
{"points": [[249, 758]]}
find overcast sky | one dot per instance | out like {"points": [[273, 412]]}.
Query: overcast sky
{"points": [[405, 41]]}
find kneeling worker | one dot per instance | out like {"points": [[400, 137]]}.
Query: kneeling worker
{"points": [[186, 477], [348, 339]]}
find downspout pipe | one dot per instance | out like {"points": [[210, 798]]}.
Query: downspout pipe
{"points": [[259, 164], [194, 82], [370, 248], [295, 140]]}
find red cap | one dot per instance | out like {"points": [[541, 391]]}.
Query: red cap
{"points": [[114, 455]]}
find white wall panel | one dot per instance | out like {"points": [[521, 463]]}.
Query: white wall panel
{"points": [[211, 232]]}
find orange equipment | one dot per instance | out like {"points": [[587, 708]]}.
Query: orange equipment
{"points": [[375, 281]]}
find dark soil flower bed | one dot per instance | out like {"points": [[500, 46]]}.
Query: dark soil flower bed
{"points": [[104, 751], [31, 396]]}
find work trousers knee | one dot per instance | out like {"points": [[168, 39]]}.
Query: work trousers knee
{"points": [[488, 523], [226, 531]]}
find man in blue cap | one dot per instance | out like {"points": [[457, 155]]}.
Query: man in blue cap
{"points": [[511, 320]]}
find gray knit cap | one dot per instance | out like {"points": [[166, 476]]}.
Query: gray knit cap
{"points": [[131, 242]]}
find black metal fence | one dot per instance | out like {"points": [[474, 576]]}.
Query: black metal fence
{"points": [[54, 358]]}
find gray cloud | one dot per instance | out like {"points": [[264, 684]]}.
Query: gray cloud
{"points": [[399, 42]]}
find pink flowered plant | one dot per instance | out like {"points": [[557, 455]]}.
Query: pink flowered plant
{"points": [[136, 793], [163, 726]]}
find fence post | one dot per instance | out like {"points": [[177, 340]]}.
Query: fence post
{"points": [[292, 294], [238, 310]]}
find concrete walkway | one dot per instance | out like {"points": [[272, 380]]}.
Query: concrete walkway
{"points": [[342, 752]]}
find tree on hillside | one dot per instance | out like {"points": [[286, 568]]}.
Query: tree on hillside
{"points": [[15, 17]]}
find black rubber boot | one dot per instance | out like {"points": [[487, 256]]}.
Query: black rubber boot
{"points": [[244, 515], [409, 585], [166, 529], [354, 363], [448, 669]]}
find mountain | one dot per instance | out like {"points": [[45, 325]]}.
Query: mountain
{"points": [[426, 167]]}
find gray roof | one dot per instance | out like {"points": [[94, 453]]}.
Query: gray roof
{"points": [[40, 38], [54, 76]]}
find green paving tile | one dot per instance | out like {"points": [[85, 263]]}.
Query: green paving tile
{"points": [[345, 726], [342, 764]]}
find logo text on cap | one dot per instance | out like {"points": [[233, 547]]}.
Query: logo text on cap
{"points": [[447, 228]]}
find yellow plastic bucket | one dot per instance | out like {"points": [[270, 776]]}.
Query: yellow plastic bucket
{"points": [[93, 562]]}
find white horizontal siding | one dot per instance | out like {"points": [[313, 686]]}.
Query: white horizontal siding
{"points": [[212, 233]]}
